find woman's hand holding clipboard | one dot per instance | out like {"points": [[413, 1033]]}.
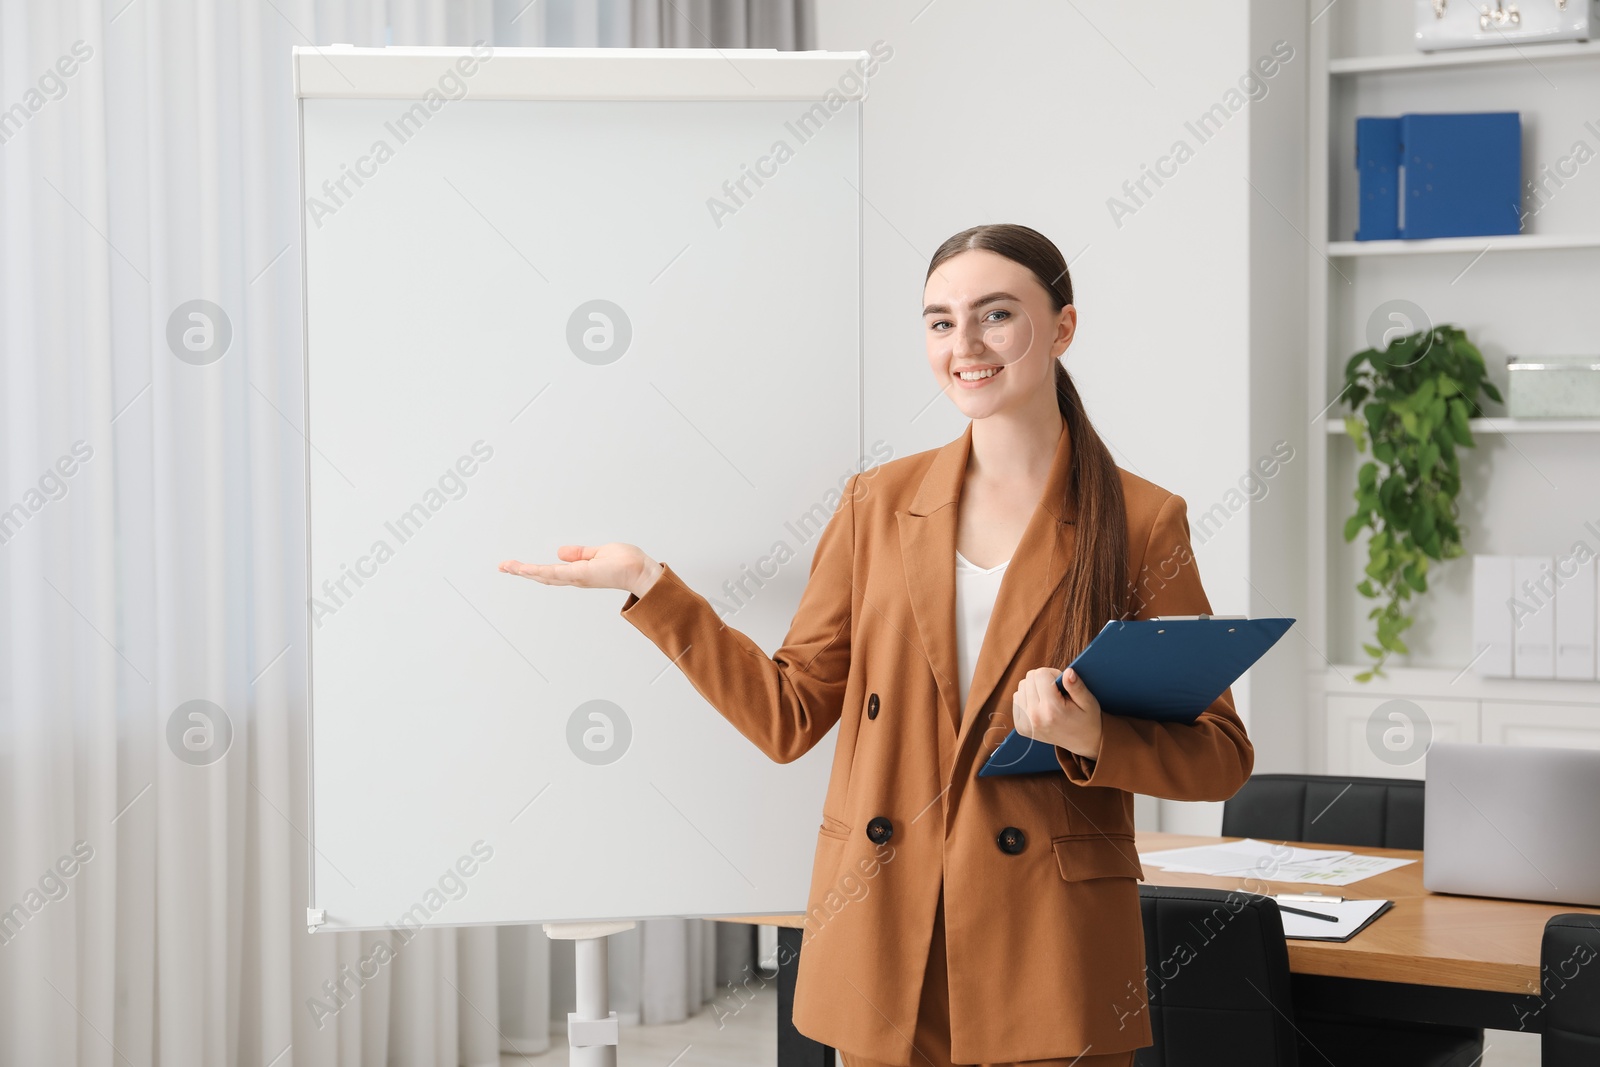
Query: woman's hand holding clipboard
{"points": [[1166, 669]]}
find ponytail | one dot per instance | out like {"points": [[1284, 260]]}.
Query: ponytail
{"points": [[1097, 580]]}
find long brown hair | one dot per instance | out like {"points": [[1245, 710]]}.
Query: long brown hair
{"points": [[1096, 583]]}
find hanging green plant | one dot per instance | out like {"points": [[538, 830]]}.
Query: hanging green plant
{"points": [[1414, 399]]}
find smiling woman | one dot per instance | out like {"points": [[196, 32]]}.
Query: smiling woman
{"points": [[1021, 327], [1030, 492]]}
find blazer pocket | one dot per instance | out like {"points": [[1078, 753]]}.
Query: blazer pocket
{"points": [[1083, 856], [832, 827]]}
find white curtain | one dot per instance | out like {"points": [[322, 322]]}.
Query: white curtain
{"points": [[153, 787]]}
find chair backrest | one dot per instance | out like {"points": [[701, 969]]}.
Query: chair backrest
{"points": [[1328, 810], [1217, 979], [1569, 990]]}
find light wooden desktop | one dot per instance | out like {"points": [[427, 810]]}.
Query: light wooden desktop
{"points": [[1432, 939]]}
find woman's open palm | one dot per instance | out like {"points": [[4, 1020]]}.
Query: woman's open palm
{"points": [[610, 566]]}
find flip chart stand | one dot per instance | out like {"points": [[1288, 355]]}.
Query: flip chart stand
{"points": [[592, 1029]]}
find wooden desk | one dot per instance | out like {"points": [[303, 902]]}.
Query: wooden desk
{"points": [[1433, 957], [1433, 939]]}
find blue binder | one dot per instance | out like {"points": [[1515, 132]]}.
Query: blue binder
{"points": [[1453, 174], [1463, 174], [1169, 670], [1378, 171]]}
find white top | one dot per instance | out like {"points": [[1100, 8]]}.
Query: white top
{"points": [[976, 589]]}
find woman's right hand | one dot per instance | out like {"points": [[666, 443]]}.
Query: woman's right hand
{"points": [[611, 566]]}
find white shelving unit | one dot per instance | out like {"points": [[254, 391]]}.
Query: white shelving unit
{"points": [[1466, 57], [1509, 242], [1530, 484], [1457, 685], [1336, 428]]}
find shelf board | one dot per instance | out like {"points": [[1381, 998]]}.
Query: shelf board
{"points": [[1335, 427], [1464, 57], [1456, 685], [1506, 242], [1534, 425]]}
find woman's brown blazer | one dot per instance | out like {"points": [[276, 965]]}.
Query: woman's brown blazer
{"points": [[1043, 936]]}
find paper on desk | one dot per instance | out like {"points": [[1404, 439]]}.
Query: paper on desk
{"points": [[1339, 872], [1352, 914], [1274, 862], [1264, 859]]}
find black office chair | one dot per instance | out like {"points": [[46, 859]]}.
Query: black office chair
{"points": [[1356, 813], [1217, 978], [1355, 1043], [1569, 990]]}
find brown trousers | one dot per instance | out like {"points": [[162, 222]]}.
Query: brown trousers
{"points": [[931, 1042]]}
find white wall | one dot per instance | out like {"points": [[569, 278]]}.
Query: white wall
{"points": [[1279, 253], [1038, 112]]}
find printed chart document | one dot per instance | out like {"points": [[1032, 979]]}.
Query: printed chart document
{"points": [[1351, 868], [1274, 862]]}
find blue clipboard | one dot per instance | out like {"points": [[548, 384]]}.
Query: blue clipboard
{"points": [[1168, 670]]}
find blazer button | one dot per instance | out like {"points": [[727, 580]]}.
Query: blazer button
{"points": [[1011, 840], [879, 830], [872, 706]]}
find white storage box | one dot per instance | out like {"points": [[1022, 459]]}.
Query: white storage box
{"points": [[1553, 387], [1460, 24]]}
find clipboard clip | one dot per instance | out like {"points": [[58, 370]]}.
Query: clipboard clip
{"points": [[1190, 618]]}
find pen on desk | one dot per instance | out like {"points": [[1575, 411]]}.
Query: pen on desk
{"points": [[1311, 914]]}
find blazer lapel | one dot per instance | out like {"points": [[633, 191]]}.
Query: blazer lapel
{"points": [[928, 549]]}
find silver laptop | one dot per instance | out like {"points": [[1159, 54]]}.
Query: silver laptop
{"points": [[1513, 821]]}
